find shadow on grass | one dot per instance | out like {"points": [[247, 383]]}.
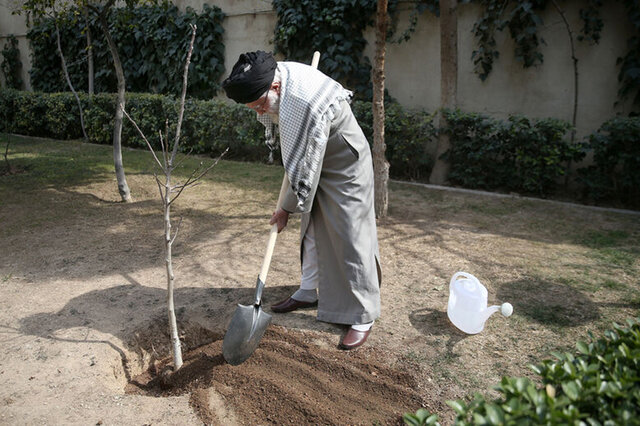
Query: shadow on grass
{"points": [[203, 316], [432, 322], [549, 303]]}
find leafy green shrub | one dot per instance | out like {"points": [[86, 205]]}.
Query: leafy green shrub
{"points": [[233, 125], [152, 42], [407, 135], [99, 117], [61, 116], [7, 108], [29, 115], [518, 154], [209, 126], [600, 384], [616, 157]]}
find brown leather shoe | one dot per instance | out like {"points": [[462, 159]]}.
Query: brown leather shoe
{"points": [[354, 338], [289, 305]]}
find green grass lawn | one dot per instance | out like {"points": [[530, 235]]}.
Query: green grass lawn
{"points": [[67, 163]]}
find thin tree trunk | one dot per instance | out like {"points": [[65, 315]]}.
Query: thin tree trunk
{"points": [[123, 188], [173, 326], [66, 76], [380, 163], [575, 85], [89, 51], [6, 150], [448, 84]]}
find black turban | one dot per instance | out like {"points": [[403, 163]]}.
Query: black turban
{"points": [[251, 76]]}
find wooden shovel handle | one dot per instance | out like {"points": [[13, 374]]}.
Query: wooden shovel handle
{"points": [[273, 235]]}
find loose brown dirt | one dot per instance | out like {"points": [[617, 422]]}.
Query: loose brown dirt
{"points": [[291, 378]]}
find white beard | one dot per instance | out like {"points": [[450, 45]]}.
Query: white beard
{"points": [[274, 106]]}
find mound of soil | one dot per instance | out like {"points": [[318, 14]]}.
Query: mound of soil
{"points": [[294, 377]]}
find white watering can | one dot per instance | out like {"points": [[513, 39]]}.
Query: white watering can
{"points": [[467, 308]]}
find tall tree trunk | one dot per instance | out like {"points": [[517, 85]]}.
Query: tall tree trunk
{"points": [[448, 83], [575, 85], [89, 50], [123, 188], [380, 163], [66, 76]]}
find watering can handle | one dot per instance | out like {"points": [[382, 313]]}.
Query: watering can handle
{"points": [[462, 274]]}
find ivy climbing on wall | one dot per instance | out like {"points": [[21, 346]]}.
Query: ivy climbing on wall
{"points": [[11, 64], [334, 27], [522, 19], [152, 45], [629, 76]]}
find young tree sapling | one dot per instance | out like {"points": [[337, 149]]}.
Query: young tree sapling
{"points": [[169, 192]]}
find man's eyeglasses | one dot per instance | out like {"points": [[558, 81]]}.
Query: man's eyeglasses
{"points": [[261, 107]]}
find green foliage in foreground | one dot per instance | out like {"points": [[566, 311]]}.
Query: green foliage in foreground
{"points": [[599, 385]]}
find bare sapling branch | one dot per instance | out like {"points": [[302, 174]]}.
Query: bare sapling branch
{"points": [[184, 185], [175, 166], [165, 146], [175, 234], [191, 181], [164, 149], [155, 175], [65, 71], [143, 136], [184, 92]]}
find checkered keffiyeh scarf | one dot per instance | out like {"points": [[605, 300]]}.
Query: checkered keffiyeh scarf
{"points": [[308, 102]]}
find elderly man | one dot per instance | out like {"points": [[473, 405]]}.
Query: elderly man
{"points": [[328, 162]]}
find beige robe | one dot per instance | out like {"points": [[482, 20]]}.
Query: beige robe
{"points": [[342, 213]]}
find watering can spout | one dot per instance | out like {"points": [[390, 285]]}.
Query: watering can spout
{"points": [[505, 309], [484, 315]]}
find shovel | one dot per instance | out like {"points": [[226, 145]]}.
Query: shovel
{"points": [[249, 322]]}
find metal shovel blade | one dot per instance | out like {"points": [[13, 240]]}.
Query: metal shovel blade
{"points": [[245, 331]]}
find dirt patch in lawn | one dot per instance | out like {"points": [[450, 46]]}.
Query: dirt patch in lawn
{"points": [[293, 377]]}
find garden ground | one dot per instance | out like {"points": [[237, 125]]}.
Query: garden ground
{"points": [[82, 312]]}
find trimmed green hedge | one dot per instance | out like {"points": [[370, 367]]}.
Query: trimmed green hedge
{"points": [[209, 127], [407, 136], [614, 174], [517, 154], [600, 384]]}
